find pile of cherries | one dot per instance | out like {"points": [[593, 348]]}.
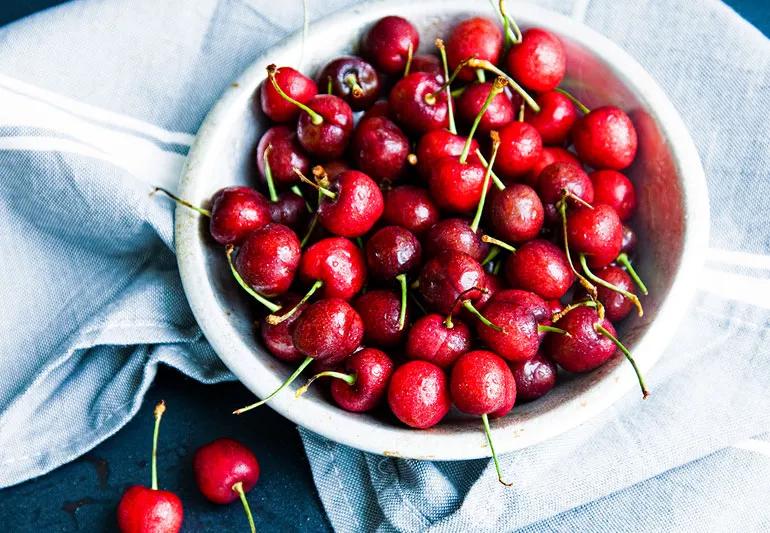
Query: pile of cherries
{"points": [[421, 265]]}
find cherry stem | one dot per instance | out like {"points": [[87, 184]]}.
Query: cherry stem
{"points": [[497, 181], [283, 385], [315, 118], [468, 305], [402, 313], [577, 199], [623, 260], [296, 190], [160, 408], [258, 297], [409, 55], [587, 285], [430, 98], [449, 103], [552, 329], [522, 107], [323, 190], [558, 316], [350, 379], [494, 252], [204, 212], [497, 87], [352, 82], [269, 174], [274, 319], [496, 268], [481, 76], [488, 433], [601, 329], [238, 487], [310, 228], [596, 279], [329, 89], [483, 198], [497, 242], [456, 93], [580, 105], [511, 29], [486, 65]]}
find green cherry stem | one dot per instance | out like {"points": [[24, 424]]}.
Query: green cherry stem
{"points": [[495, 179], [488, 433], [599, 281], [496, 268], [277, 319], [269, 174], [522, 108], [160, 408], [497, 242], [468, 305], [481, 76], [552, 329], [350, 379], [580, 105], [409, 55], [624, 261], [323, 190], [450, 105], [457, 93], [603, 331], [283, 385], [561, 205], [402, 313], [494, 252], [329, 88], [238, 487], [497, 87], [296, 190], [204, 212], [486, 65], [483, 198], [258, 297], [310, 228], [315, 118], [352, 82], [511, 29]]}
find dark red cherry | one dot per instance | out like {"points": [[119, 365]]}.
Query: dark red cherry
{"points": [[327, 137], [290, 210], [585, 349], [605, 138], [538, 62], [549, 155], [597, 233], [501, 110], [534, 378], [428, 63], [476, 37], [370, 370], [529, 300], [378, 109], [294, 84], [268, 259], [456, 186], [328, 329], [555, 119], [391, 251], [411, 208], [379, 310], [438, 144], [277, 338], [516, 213], [557, 177], [628, 243], [429, 339], [352, 79], [520, 148], [418, 104], [616, 306], [389, 43], [380, 149], [454, 234], [541, 267], [236, 212], [222, 464], [338, 263], [614, 189], [518, 340], [418, 394], [447, 277], [284, 155], [479, 383], [357, 205]]}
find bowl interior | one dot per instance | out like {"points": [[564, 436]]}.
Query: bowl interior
{"points": [[670, 221]]}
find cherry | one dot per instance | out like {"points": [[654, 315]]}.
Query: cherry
{"points": [[392, 251], [428, 63], [501, 110], [149, 510], [597, 233], [268, 259], [555, 119], [482, 384], [280, 151], [294, 84], [352, 204], [520, 149], [539, 308], [225, 470], [289, 209], [411, 208], [541, 267], [380, 311], [236, 212], [277, 338], [380, 149], [418, 103], [390, 44], [516, 338], [534, 377], [516, 213], [549, 155], [492, 285], [379, 108], [476, 37], [616, 305], [337, 265], [430, 339], [437, 144], [352, 79], [559, 177], [538, 62], [418, 394], [629, 241], [454, 234], [605, 138], [615, 190], [449, 276]]}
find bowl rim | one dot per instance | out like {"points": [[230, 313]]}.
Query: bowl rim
{"points": [[320, 417]]}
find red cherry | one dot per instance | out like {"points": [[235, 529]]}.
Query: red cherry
{"points": [[555, 119], [454, 234], [429, 339], [456, 186], [520, 149], [541, 267], [290, 210], [236, 212], [268, 259], [449, 276], [325, 133], [411, 208], [492, 285], [437, 144], [538, 62], [352, 79], [534, 378], [277, 338], [294, 84], [549, 155], [605, 138], [392, 251], [380, 149], [585, 349], [616, 306], [474, 37], [516, 213], [615, 190], [518, 340], [501, 110], [378, 109], [336, 262], [628, 244], [380, 312], [284, 155], [328, 329], [389, 43], [418, 103], [428, 63], [355, 207], [369, 370], [418, 394], [597, 233], [558, 177], [529, 300]]}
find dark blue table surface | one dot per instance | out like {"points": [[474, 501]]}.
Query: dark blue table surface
{"points": [[82, 495]]}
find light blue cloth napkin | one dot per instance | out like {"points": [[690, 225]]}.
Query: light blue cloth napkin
{"points": [[100, 100]]}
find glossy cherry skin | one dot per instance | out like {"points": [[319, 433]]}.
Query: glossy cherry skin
{"points": [[411, 208], [347, 72], [454, 234], [555, 119], [585, 349], [293, 83], [538, 62], [329, 329], [268, 259], [534, 378], [437, 144], [337, 262], [144, 510], [549, 155], [501, 110], [520, 148], [616, 306], [629, 240], [516, 213], [372, 369], [236, 212], [289, 210], [519, 339], [387, 44], [379, 149], [221, 464], [429, 339], [356, 208], [541, 267], [380, 108], [557, 177], [409, 107], [476, 37], [285, 155], [379, 310], [529, 300], [418, 394], [277, 338], [457, 187], [615, 190], [391, 251], [330, 138], [480, 383], [492, 285], [605, 138], [428, 63], [446, 277], [596, 232]]}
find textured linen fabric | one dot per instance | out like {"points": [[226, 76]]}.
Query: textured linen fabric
{"points": [[99, 100]]}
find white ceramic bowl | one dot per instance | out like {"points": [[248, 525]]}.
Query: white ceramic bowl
{"points": [[672, 223]]}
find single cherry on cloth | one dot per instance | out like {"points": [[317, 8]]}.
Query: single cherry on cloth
{"points": [[390, 43], [538, 62], [516, 213], [352, 79], [605, 138], [520, 148], [534, 377], [481, 384], [352, 203], [555, 119], [364, 382], [149, 510], [418, 394], [597, 233], [500, 112], [616, 190], [410, 207], [430, 339], [225, 470], [280, 152], [549, 155], [454, 234], [381, 312], [437, 144], [559, 177], [476, 37], [418, 103], [541, 267], [380, 149], [268, 259], [294, 84]]}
